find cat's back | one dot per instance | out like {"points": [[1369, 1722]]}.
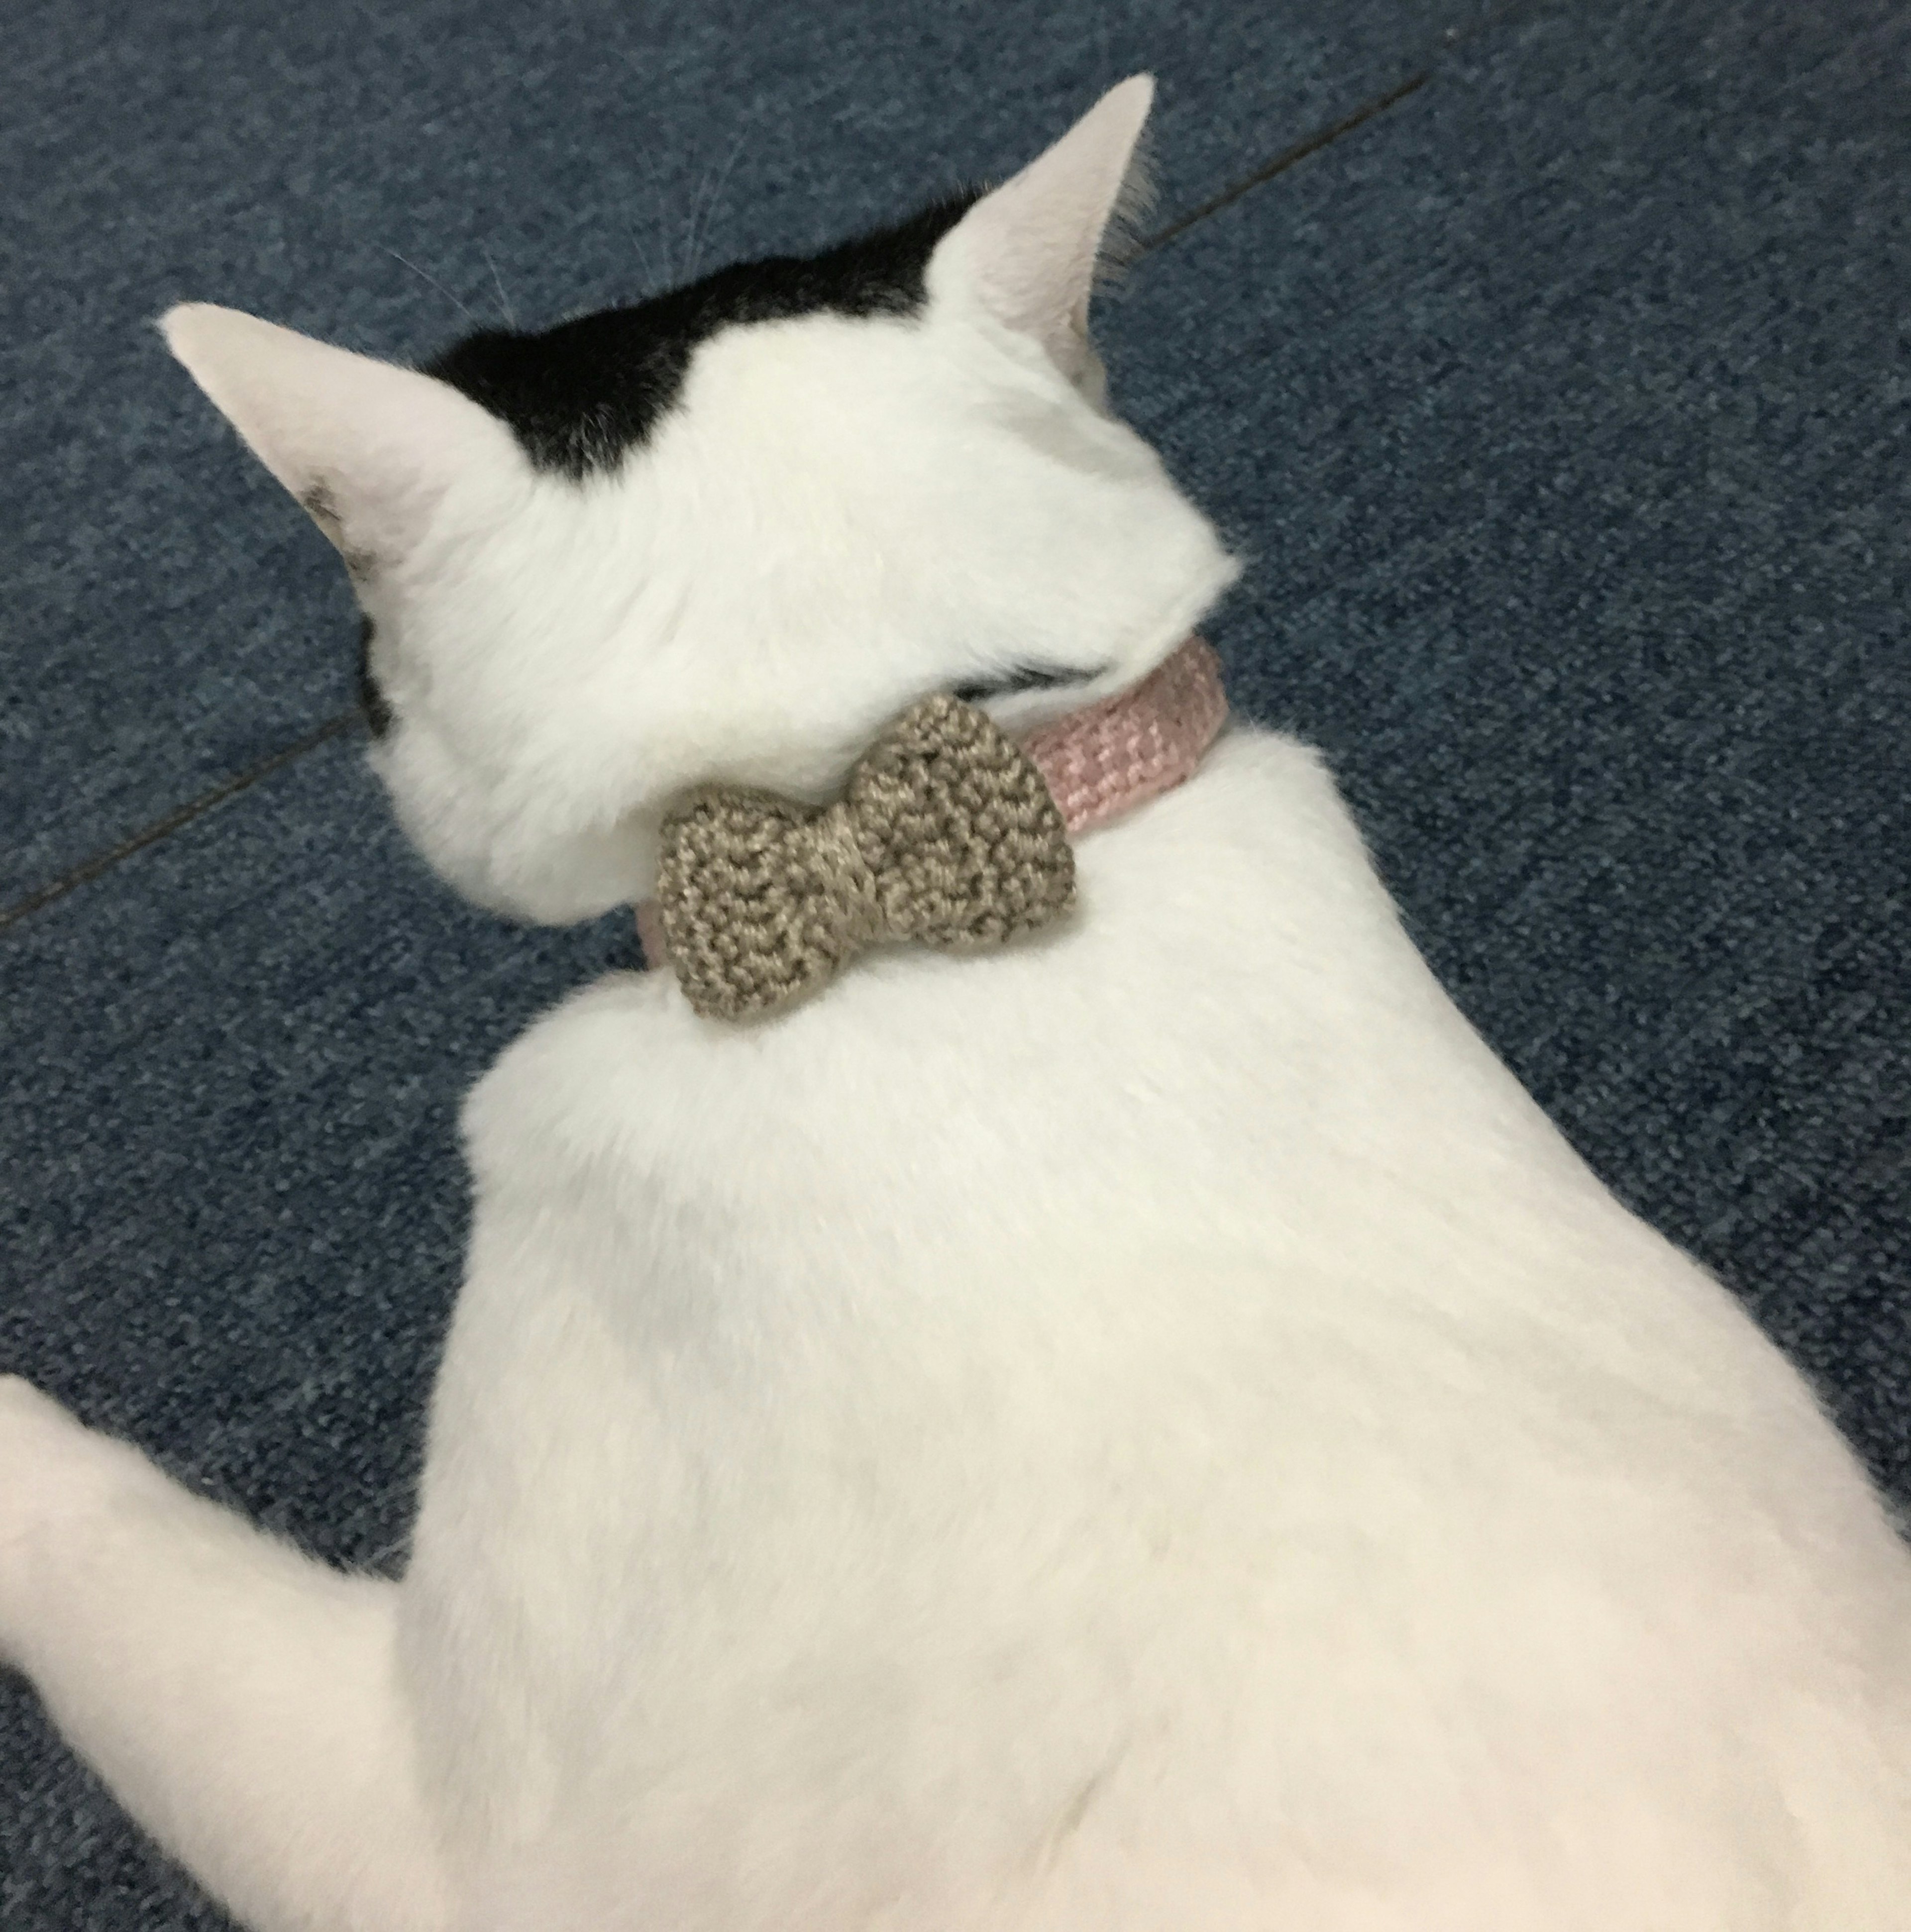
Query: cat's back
{"points": [[1229, 1102], [1174, 1354]]}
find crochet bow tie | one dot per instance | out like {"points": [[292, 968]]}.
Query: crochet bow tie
{"points": [[948, 836], [951, 833]]}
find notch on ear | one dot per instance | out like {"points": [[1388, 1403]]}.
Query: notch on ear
{"points": [[369, 449], [1031, 247]]}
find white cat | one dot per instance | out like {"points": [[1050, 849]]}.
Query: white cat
{"points": [[1147, 1427]]}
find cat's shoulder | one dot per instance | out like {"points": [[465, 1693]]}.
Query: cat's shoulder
{"points": [[623, 1068], [566, 1086]]}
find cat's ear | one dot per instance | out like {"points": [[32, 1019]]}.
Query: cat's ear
{"points": [[1030, 250], [369, 449]]}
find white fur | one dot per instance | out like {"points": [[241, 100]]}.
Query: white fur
{"points": [[1150, 1428]]}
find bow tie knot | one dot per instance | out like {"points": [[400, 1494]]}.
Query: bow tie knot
{"points": [[948, 834]]}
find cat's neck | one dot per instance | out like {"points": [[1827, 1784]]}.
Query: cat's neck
{"points": [[1103, 761]]}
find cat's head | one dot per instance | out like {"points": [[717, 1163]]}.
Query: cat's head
{"points": [[729, 533]]}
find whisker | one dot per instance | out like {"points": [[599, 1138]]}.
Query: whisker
{"points": [[690, 229], [658, 223], [716, 198], [438, 285], [387, 1559], [652, 285], [504, 301]]}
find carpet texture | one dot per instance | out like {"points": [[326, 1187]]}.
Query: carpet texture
{"points": [[380, 176], [1560, 407]]}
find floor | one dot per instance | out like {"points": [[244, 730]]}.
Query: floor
{"points": [[1550, 363]]}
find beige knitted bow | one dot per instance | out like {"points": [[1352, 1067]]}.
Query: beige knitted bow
{"points": [[948, 836]]}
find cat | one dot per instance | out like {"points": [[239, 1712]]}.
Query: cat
{"points": [[1146, 1425]]}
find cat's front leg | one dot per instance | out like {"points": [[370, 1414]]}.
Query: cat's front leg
{"points": [[241, 1700]]}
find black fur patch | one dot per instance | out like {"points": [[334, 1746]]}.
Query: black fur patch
{"points": [[1024, 677], [579, 396], [372, 701]]}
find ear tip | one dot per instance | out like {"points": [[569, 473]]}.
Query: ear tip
{"points": [[191, 326], [1136, 92], [1121, 113]]}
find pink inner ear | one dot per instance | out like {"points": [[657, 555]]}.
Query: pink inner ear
{"points": [[1032, 245], [369, 449]]}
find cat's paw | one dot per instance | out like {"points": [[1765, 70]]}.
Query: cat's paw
{"points": [[32, 1425], [52, 1470]]}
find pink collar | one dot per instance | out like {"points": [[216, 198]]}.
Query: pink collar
{"points": [[1105, 760]]}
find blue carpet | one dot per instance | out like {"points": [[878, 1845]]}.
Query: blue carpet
{"points": [[1561, 407], [370, 174], [1564, 409]]}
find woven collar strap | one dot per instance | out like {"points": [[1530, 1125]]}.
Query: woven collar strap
{"points": [[1106, 761], [950, 834]]}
